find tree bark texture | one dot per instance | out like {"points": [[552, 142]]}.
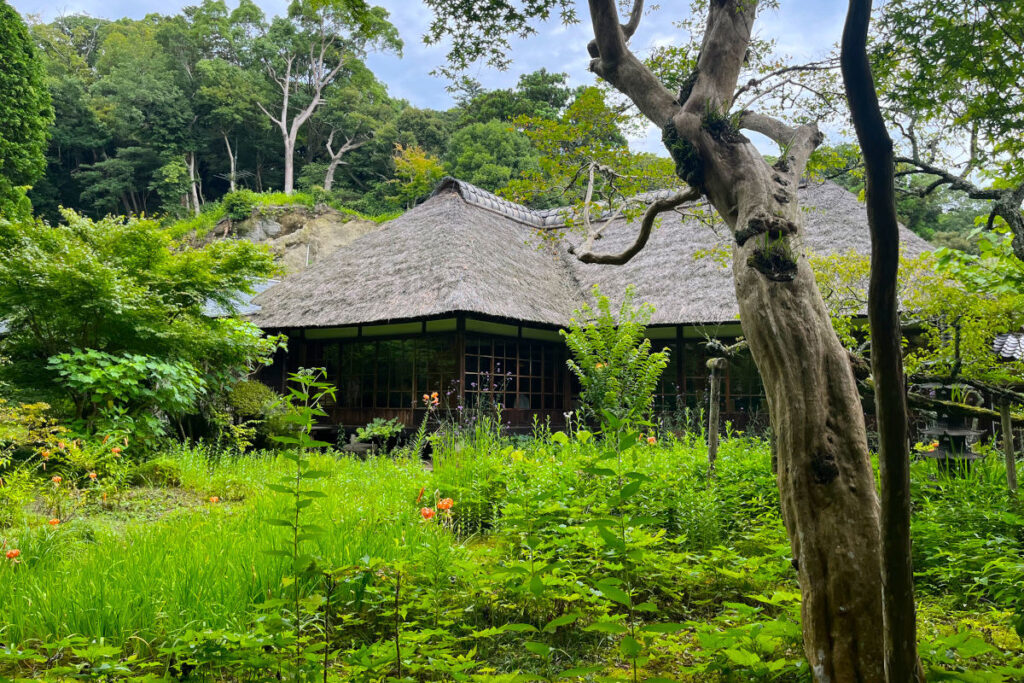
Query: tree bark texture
{"points": [[898, 609], [1011, 458], [715, 365], [826, 486]]}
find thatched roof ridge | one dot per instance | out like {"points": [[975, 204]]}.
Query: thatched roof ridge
{"points": [[444, 256], [467, 250]]}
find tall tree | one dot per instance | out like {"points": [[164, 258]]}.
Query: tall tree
{"points": [[352, 113], [25, 111], [899, 622], [307, 51], [827, 489], [490, 154], [227, 105]]}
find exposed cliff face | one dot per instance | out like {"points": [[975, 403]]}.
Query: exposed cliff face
{"points": [[298, 236]]}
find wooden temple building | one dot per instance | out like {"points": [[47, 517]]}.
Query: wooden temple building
{"points": [[463, 295]]}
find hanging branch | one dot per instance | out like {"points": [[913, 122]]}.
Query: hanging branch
{"points": [[646, 226]]}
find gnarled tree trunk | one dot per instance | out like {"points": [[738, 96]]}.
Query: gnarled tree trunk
{"points": [[826, 486]]}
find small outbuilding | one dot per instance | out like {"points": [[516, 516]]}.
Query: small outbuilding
{"points": [[465, 295]]}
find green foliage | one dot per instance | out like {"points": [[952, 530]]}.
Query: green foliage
{"points": [[251, 398], [25, 113], [612, 358], [416, 174], [995, 271], [124, 288], [490, 154], [126, 392], [238, 205], [588, 136], [952, 305], [380, 430], [562, 568], [539, 94], [955, 64], [949, 72]]}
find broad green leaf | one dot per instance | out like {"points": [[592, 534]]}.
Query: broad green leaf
{"points": [[630, 647], [607, 627], [561, 621], [742, 657]]}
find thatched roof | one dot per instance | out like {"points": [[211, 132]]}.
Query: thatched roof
{"points": [[466, 250]]}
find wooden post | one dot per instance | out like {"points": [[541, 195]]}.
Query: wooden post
{"points": [[714, 365], [1011, 463]]}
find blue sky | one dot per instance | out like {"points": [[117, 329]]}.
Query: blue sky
{"points": [[804, 29]]}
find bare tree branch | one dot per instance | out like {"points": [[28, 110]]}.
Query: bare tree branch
{"points": [[629, 28], [646, 226], [947, 178], [754, 83]]}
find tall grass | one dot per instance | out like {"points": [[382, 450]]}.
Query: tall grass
{"points": [[204, 567], [717, 545]]}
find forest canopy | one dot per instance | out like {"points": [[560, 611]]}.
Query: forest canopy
{"points": [[166, 114]]}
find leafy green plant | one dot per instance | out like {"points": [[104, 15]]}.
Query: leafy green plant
{"points": [[121, 298], [251, 398], [239, 205], [127, 392], [380, 430], [304, 409], [612, 358]]}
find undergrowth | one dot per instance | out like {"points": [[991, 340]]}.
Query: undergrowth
{"points": [[514, 578]]}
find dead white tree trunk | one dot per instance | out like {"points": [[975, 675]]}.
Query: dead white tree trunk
{"points": [[231, 161], [319, 77], [335, 156], [190, 161]]}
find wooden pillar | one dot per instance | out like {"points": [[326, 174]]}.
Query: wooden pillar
{"points": [[715, 366], [680, 375], [1011, 463], [460, 360]]}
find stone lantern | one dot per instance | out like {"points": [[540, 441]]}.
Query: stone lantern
{"points": [[953, 434]]}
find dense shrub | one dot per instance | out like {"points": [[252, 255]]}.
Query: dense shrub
{"points": [[239, 205], [251, 398]]}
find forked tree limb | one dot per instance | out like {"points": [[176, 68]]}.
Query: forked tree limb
{"points": [[797, 142], [722, 54], [646, 226]]}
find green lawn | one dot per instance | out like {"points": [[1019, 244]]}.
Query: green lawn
{"points": [[545, 568]]}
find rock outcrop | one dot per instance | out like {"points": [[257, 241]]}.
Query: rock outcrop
{"points": [[298, 236]]}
